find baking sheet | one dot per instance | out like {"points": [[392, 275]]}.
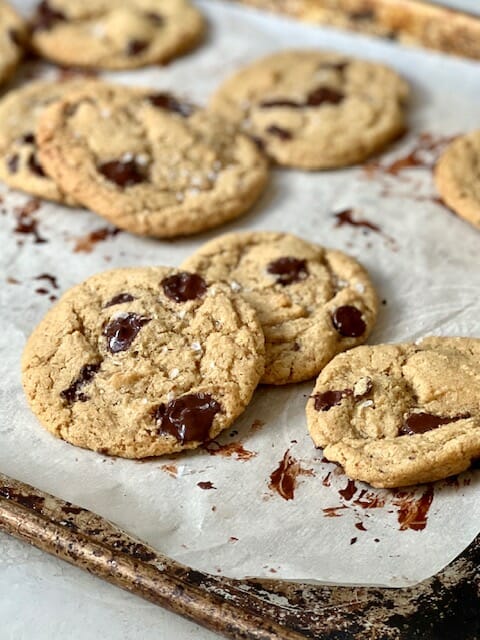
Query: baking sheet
{"points": [[218, 509]]}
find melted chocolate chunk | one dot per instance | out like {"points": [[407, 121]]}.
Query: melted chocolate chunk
{"points": [[348, 321], [328, 399], [15, 37], [283, 134], [12, 163], [156, 18], [170, 103], [422, 422], [74, 392], [122, 331], [134, 47], [188, 418], [121, 172], [27, 138], [288, 270], [35, 167], [45, 17], [323, 95], [184, 286], [119, 299], [270, 104]]}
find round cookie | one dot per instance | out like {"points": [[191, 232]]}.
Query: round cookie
{"points": [[149, 163], [115, 35], [142, 362], [20, 110], [396, 415], [13, 35], [314, 109], [312, 302], [457, 176]]}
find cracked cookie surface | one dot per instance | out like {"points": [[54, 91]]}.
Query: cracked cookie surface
{"points": [[143, 361], [312, 302], [457, 175], [315, 109], [20, 111], [124, 34], [13, 35], [148, 162], [396, 415]]}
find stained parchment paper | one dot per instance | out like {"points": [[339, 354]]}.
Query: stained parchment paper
{"points": [[260, 501]]}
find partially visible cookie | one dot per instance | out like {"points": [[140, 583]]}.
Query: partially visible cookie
{"points": [[312, 302], [457, 175], [149, 162], [143, 361], [314, 109], [115, 35], [20, 166], [13, 34], [396, 415]]}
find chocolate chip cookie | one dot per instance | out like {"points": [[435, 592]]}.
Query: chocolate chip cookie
{"points": [[115, 35], [13, 35], [457, 176], [20, 166], [143, 361], [395, 415], [312, 302], [148, 162], [314, 109]]}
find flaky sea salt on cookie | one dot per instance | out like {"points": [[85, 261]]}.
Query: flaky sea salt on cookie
{"points": [[312, 302], [396, 415], [142, 362], [315, 109]]}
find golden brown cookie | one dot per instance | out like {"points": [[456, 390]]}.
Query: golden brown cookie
{"points": [[143, 361], [13, 36]]}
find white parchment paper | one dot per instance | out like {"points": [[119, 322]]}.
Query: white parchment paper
{"points": [[425, 263]]}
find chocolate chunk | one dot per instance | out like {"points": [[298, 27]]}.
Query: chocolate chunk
{"points": [[156, 18], [134, 47], [74, 392], [328, 399], [125, 173], [119, 299], [269, 104], [15, 37], [288, 270], [45, 17], [348, 321], [365, 14], [27, 138], [421, 422], [324, 95], [283, 134], [12, 163], [123, 330], [188, 418], [35, 167], [184, 286], [168, 102], [259, 142]]}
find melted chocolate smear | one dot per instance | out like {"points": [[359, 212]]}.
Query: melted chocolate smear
{"points": [[233, 449], [46, 17], [74, 392], [348, 321], [349, 491], [35, 167], [26, 224], [270, 104], [122, 331], [49, 278], [417, 423], [184, 286], [283, 134], [328, 399], [284, 479], [121, 172], [156, 18], [121, 298], [31, 502], [12, 163], [324, 95], [86, 243], [188, 418], [288, 270], [345, 217], [206, 485], [413, 511], [168, 102], [134, 47]]}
